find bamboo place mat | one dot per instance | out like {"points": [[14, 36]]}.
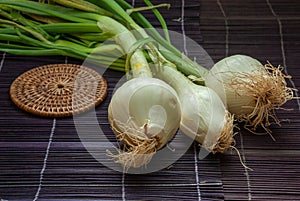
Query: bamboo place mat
{"points": [[44, 159]]}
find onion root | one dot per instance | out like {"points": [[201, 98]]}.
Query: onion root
{"points": [[268, 88], [138, 147], [226, 139]]}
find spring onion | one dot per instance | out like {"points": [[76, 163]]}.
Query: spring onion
{"points": [[144, 113]]}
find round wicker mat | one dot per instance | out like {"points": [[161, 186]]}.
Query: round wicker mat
{"points": [[58, 90]]}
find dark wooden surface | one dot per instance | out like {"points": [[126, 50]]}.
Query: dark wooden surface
{"points": [[44, 159]]}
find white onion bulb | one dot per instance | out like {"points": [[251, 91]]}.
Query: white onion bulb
{"points": [[204, 117], [144, 113], [250, 90]]}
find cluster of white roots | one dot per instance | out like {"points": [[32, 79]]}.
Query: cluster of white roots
{"points": [[225, 140], [268, 88], [138, 148]]}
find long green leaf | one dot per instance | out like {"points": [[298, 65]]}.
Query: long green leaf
{"points": [[52, 10]]}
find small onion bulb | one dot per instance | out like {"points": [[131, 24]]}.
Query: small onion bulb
{"points": [[205, 118], [250, 90], [144, 114]]}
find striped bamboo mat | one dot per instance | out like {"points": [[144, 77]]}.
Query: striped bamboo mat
{"points": [[44, 159]]}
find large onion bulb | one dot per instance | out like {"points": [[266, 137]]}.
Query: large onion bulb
{"points": [[144, 114]]}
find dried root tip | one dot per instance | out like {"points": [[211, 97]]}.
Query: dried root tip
{"points": [[135, 157], [241, 158], [225, 140], [268, 88], [138, 148]]}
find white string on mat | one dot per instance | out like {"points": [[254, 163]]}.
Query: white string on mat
{"points": [[47, 154], [186, 53], [45, 161], [2, 60], [197, 172], [183, 27], [242, 142], [282, 49], [123, 187], [119, 185], [227, 28], [246, 169]]}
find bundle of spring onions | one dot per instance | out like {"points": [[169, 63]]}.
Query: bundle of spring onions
{"points": [[158, 98]]}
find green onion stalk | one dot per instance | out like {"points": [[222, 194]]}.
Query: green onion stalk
{"points": [[50, 39], [121, 8]]}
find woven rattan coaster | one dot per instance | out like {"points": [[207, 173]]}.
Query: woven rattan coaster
{"points": [[58, 90]]}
